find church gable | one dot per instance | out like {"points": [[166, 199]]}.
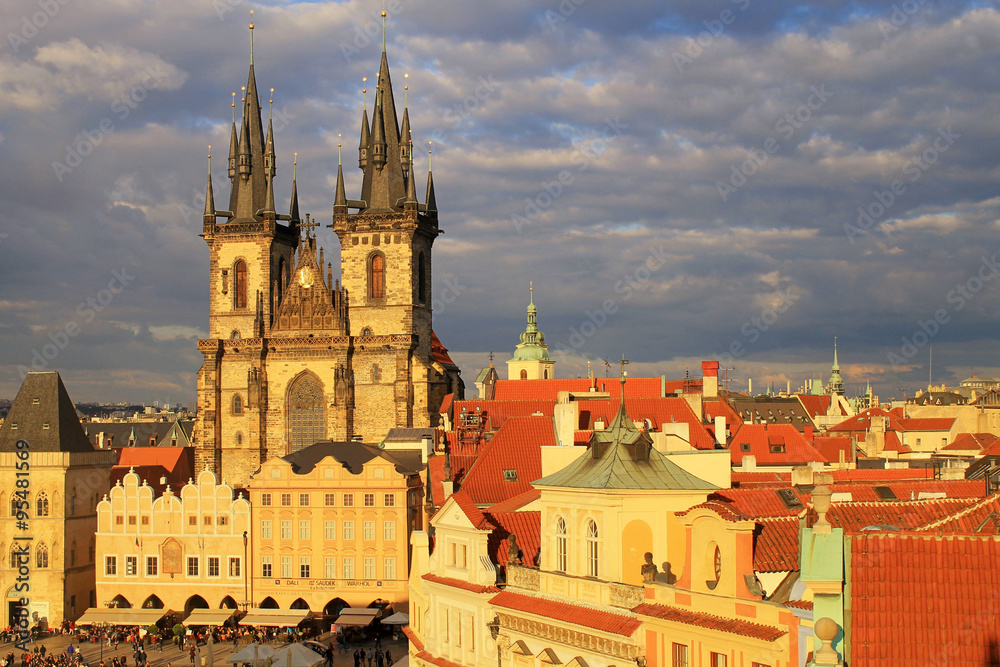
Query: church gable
{"points": [[310, 303]]}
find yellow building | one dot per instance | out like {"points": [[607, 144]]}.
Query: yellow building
{"points": [[179, 551], [331, 527], [55, 480]]}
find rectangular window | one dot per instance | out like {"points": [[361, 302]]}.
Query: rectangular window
{"points": [[303, 500], [389, 568], [681, 656], [265, 500], [286, 529], [131, 521], [329, 531], [390, 499], [223, 521], [304, 567], [369, 530], [465, 556], [265, 529], [234, 567], [304, 530], [718, 660], [348, 500], [213, 566], [145, 520], [152, 566], [286, 500], [348, 530], [207, 520], [119, 520], [453, 554], [131, 566], [265, 567], [389, 531], [192, 521], [369, 500], [111, 566], [329, 568], [369, 568], [286, 567], [349, 567], [192, 566], [329, 499]]}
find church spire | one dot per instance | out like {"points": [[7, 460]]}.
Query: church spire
{"points": [[209, 194], [384, 187], [411, 189], [531, 357], [431, 199], [250, 189], [293, 210], [836, 382], [340, 203], [234, 145]]}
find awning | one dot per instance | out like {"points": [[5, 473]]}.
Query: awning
{"points": [[140, 617], [399, 618], [296, 655], [275, 618], [209, 616], [250, 652], [351, 616]]}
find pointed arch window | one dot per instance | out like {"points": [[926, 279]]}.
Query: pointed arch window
{"points": [[18, 557], [305, 413], [561, 546], [376, 374], [42, 505], [593, 549], [237, 404], [421, 280], [282, 278], [240, 272], [376, 276], [41, 556]]}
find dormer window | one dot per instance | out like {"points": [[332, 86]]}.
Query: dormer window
{"points": [[509, 475]]}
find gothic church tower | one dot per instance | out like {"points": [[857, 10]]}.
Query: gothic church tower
{"points": [[293, 356]]}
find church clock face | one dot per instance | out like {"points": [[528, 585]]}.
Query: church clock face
{"points": [[306, 277]]}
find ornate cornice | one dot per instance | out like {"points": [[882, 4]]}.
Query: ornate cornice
{"points": [[585, 640]]}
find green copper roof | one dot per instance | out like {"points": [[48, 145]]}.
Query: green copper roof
{"points": [[532, 346], [622, 457]]}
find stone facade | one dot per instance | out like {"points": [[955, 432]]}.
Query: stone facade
{"points": [[293, 356]]}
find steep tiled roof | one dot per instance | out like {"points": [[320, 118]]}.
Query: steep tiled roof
{"points": [[510, 462], [813, 404], [910, 607], [776, 545], [773, 444], [517, 502], [525, 526], [832, 446], [440, 352], [973, 442], [43, 414], [799, 604], [460, 583], [497, 412], [928, 424], [658, 411], [978, 518], [721, 408], [587, 617], [743, 479], [863, 421], [731, 625], [648, 387], [468, 507]]}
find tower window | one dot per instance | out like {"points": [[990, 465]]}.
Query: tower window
{"points": [[421, 280], [237, 404], [240, 270], [524, 374], [376, 277], [376, 374]]}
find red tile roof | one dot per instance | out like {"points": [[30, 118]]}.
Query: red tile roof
{"points": [[799, 604], [587, 617], [993, 449], [743, 479], [645, 387], [439, 351], [978, 518], [515, 447], [928, 424], [832, 446], [776, 545], [525, 526], [863, 421], [438, 662], [762, 441], [865, 475], [446, 404], [814, 405], [497, 412], [973, 442], [721, 408], [412, 636], [658, 411], [460, 583], [517, 502], [918, 599], [731, 625]]}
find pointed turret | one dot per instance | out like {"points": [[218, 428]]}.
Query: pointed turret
{"points": [[270, 161], [250, 189], [293, 209], [366, 139], [405, 143], [411, 190], [234, 147], [431, 199], [531, 359], [384, 187], [836, 385], [209, 196], [340, 203], [269, 212], [378, 138], [245, 158]]}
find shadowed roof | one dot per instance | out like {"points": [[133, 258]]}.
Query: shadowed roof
{"points": [[43, 414], [353, 456]]}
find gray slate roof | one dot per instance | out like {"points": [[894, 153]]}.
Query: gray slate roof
{"points": [[622, 457], [42, 400], [353, 456]]}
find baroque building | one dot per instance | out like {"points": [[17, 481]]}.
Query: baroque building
{"points": [[295, 356]]}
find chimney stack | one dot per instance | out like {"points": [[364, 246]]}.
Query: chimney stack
{"points": [[710, 379]]}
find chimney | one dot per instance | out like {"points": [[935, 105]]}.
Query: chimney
{"points": [[749, 463], [710, 379], [720, 430], [750, 387]]}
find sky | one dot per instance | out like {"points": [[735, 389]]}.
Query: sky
{"points": [[736, 180]]}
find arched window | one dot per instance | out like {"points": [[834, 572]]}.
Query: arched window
{"points": [[376, 276], [376, 373], [524, 374], [282, 279], [42, 505], [18, 557], [545, 374], [237, 404], [593, 550], [305, 413], [41, 556], [561, 544], [421, 280], [238, 438], [240, 271], [366, 332]]}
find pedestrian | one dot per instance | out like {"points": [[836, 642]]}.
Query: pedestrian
{"points": [[388, 658], [357, 657], [379, 659]]}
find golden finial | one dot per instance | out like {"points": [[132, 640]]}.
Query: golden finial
{"points": [[210, 159], [339, 151], [406, 90], [295, 163], [364, 89], [429, 153], [383, 26], [270, 108], [251, 37], [243, 92], [234, 108]]}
